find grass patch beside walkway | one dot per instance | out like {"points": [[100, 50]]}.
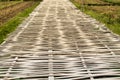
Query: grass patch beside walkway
{"points": [[109, 15], [12, 24]]}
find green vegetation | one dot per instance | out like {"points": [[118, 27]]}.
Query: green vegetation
{"points": [[11, 25], [107, 13]]}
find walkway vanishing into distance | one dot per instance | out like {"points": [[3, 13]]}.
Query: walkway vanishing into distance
{"points": [[58, 42]]}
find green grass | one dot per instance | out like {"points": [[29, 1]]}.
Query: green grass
{"points": [[111, 23], [12, 24]]}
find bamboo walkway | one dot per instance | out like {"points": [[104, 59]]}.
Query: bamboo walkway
{"points": [[59, 42]]}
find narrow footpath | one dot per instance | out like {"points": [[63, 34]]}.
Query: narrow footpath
{"points": [[59, 42]]}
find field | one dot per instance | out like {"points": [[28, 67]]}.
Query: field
{"points": [[90, 1], [11, 16], [14, 7], [106, 11], [5, 4], [113, 1]]}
